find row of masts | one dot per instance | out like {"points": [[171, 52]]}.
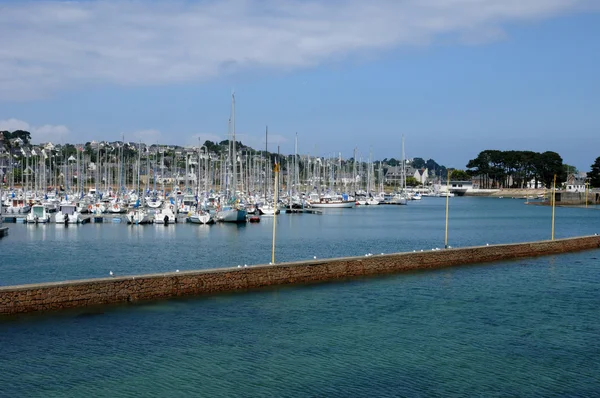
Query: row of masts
{"points": [[111, 171], [197, 171]]}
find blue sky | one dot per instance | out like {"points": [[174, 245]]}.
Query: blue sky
{"points": [[453, 76]]}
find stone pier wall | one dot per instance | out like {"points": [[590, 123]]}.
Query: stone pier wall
{"points": [[81, 293]]}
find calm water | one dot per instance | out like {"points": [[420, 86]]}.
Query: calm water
{"points": [[41, 253], [522, 328]]}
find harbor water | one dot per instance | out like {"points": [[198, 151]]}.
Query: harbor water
{"points": [[520, 328]]}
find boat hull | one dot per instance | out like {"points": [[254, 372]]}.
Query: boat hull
{"points": [[232, 215], [334, 205], [200, 219]]}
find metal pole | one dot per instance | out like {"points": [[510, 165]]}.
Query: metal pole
{"points": [[447, 202], [276, 169], [587, 188], [553, 203]]}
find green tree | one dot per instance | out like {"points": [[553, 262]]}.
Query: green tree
{"points": [[549, 164], [418, 163], [460, 175], [594, 174], [412, 181], [568, 169]]}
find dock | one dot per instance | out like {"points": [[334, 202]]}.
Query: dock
{"points": [[125, 289], [303, 211]]}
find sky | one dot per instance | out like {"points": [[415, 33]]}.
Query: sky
{"points": [[454, 77]]}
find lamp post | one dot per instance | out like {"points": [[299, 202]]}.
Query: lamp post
{"points": [[587, 189], [447, 203], [553, 203]]}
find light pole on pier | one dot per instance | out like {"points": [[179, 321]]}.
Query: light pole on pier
{"points": [[447, 202], [553, 203], [587, 189]]}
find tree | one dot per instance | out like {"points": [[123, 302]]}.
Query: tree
{"points": [[570, 169], [460, 175], [594, 174], [412, 181], [25, 136], [418, 163], [550, 164]]}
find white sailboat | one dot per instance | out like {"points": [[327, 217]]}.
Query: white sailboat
{"points": [[201, 217], [138, 215], [232, 211]]}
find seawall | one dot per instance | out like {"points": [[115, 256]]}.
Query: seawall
{"points": [[81, 293]]}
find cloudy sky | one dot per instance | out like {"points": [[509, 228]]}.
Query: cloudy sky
{"points": [[453, 76]]}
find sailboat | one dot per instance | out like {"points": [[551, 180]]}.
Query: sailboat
{"points": [[267, 209], [139, 215], [232, 211], [400, 197]]}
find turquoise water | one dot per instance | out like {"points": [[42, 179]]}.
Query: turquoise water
{"points": [[42, 253], [521, 328]]}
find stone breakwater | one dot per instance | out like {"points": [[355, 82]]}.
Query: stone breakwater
{"points": [[81, 293]]}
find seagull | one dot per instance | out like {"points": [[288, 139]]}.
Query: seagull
{"points": [[414, 251], [315, 257], [176, 270], [239, 266], [421, 249], [110, 273], [245, 265], [382, 254], [487, 244]]}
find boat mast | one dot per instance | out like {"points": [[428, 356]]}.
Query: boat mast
{"points": [[403, 167], [266, 161], [234, 155]]}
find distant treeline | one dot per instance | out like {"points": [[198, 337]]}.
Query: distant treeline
{"points": [[515, 169], [25, 136]]}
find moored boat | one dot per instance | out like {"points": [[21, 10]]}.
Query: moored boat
{"points": [[67, 214], [37, 215]]}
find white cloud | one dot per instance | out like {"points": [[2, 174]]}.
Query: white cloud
{"points": [[45, 133], [51, 46]]}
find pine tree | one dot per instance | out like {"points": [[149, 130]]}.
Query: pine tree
{"points": [[594, 175]]}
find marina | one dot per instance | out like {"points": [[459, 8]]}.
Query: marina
{"points": [[299, 199], [397, 328]]}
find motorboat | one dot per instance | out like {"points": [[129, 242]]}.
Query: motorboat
{"points": [[138, 216], [165, 215], [18, 206], [330, 201], [38, 215], [268, 210], [67, 214]]}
